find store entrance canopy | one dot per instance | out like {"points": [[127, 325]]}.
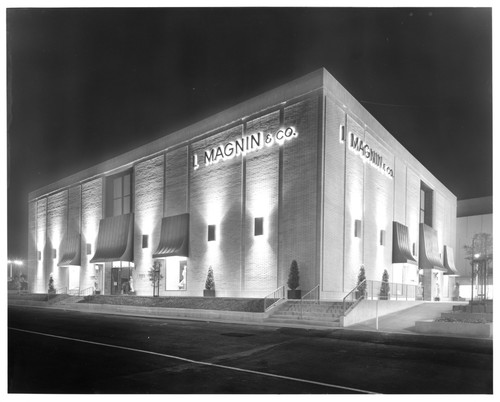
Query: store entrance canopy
{"points": [[115, 239], [70, 250], [174, 238], [428, 256], [449, 262], [401, 252]]}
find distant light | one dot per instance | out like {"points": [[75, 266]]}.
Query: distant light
{"points": [[15, 262], [477, 255]]}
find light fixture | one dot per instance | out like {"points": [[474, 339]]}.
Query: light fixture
{"points": [[342, 133], [54, 253], [145, 239], [39, 255], [382, 237], [258, 227], [211, 232], [357, 228], [89, 248]]}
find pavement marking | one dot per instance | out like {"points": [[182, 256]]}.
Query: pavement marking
{"points": [[198, 362]]}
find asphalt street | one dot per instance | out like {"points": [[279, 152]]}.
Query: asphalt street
{"points": [[55, 351]]}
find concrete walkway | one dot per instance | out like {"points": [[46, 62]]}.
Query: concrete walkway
{"points": [[404, 321]]}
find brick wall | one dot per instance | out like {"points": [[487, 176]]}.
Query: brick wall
{"points": [[353, 249], [91, 215], [333, 225], [41, 278], [261, 200], [298, 226], [215, 198], [148, 215], [57, 213], [378, 201], [176, 182], [74, 226], [32, 246]]}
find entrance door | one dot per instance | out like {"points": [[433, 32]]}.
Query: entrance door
{"points": [[115, 281]]}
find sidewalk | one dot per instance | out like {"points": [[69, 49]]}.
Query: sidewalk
{"points": [[402, 322]]}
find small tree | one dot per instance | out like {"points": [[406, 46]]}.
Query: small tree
{"points": [[51, 285], [155, 276], [210, 282], [361, 281], [293, 276], [480, 255], [384, 288]]}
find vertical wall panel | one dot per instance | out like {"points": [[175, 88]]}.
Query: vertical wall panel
{"points": [[92, 202], [261, 200], [413, 209], [333, 233], [74, 226], [32, 247], [353, 248], [57, 212], [215, 199], [378, 206], [298, 226], [176, 181], [41, 240], [148, 213], [399, 191]]}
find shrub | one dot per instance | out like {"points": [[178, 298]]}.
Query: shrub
{"points": [[362, 280], [210, 282], [293, 276], [384, 288], [51, 285]]}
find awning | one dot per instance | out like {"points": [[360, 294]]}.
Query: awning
{"points": [[428, 256], [174, 238], [70, 250], [449, 262], [401, 252], [115, 239]]}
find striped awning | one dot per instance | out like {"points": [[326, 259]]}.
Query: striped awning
{"points": [[174, 238], [428, 256], [449, 262], [70, 250], [115, 240], [401, 252]]}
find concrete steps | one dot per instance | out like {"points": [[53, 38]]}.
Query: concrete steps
{"points": [[68, 299], [324, 314]]}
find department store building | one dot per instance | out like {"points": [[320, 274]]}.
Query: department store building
{"points": [[302, 172]]}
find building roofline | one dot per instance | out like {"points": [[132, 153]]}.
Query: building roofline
{"points": [[320, 79], [282, 94]]}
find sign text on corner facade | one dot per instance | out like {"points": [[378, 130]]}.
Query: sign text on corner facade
{"points": [[243, 146]]}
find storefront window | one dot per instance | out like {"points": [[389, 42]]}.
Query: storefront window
{"points": [[176, 273]]}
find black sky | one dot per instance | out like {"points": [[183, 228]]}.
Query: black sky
{"points": [[85, 85]]}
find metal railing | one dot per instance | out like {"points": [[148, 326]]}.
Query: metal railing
{"points": [[310, 297], [86, 292], [378, 290], [354, 297], [273, 298]]}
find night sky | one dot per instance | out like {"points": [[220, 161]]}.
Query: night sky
{"points": [[85, 85]]}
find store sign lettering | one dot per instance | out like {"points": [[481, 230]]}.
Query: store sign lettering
{"points": [[244, 145], [366, 152]]}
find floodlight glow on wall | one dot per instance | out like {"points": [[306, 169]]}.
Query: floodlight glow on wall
{"points": [[145, 241], [258, 227], [211, 232]]}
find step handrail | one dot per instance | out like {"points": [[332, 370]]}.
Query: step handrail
{"points": [[357, 299], [307, 295], [277, 295]]}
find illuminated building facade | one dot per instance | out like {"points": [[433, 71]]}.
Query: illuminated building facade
{"points": [[302, 172]]}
